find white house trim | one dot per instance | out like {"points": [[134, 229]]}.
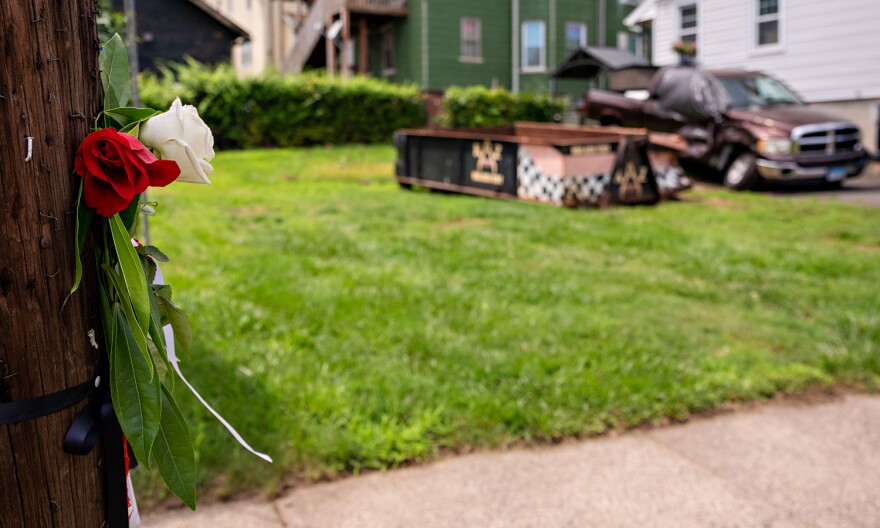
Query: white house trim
{"points": [[755, 49]]}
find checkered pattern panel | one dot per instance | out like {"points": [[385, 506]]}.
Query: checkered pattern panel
{"points": [[671, 179], [534, 184], [573, 191], [587, 188]]}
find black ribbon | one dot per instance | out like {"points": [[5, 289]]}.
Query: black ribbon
{"points": [[23, 410], [96, 420], [99, 420], [85, 430]]}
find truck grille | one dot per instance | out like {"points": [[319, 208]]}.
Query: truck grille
{"points": [[827, 138]]}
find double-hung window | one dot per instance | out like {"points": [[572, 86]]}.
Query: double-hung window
{"points": [[471, 40], [687, 26], [534, 46], [767, 22], [575, 36]]}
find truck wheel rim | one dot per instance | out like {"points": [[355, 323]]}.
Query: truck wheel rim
{"points": [[738, 170]]}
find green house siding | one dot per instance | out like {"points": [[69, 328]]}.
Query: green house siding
{"points": [[556, 14], [437, 23], [407, 47], [446, 66], [536, 10]]}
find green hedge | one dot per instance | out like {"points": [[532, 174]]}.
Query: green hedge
{"points": [[278, 111], [477, 106]]}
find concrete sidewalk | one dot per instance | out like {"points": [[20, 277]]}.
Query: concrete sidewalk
{"points": [[780, 465]]}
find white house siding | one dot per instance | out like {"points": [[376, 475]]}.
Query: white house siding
{"points": [[664, 33], [830, 51], [263, 20]]}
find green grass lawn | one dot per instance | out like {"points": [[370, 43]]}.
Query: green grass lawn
{"points": [[345, 324]]}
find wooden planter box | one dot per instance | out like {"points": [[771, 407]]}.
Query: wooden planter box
{"points": [[555, 164]]}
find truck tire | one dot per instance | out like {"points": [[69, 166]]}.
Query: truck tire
{"points": [[741, 174]]}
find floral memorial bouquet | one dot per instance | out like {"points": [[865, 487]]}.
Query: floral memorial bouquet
{"points": [[129, 150]]}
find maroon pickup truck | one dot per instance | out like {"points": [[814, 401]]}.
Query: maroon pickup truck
{"points": [[747, 125]]}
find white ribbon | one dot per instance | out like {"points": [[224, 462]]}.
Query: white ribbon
{"points": [[134, 516], [172, 357]]}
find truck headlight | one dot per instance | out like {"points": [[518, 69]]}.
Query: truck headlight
{"points": [[774, 146]]}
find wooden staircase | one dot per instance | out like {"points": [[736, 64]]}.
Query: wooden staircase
{"points": [[322, 13]]}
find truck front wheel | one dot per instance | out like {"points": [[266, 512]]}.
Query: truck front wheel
{"points": [[742, 174]]}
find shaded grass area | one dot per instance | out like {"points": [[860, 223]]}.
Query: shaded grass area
{"points": [[344, 324]]}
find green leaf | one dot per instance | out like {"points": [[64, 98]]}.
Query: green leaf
{"points": [[136, 399], [163, 290], [173, 452], [133, 129], [140, 337], [127, 117], [150, 269], [115, 77], [106, 317], [84, 216], [154, 252], [179, 321], [129, 216], [157, 336], [132, 272]]}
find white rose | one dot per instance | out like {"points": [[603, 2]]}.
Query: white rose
{"points": [[180, 135]]}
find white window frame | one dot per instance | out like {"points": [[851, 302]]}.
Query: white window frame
{"points": [[625, 37], [388, 38], [755, 19], [247, 54], [679, 31], [542, 67], [582, 37], [478, 58]]}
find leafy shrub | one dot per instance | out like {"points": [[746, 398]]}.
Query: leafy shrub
{"points": [[478, 106], [109, 21], [283, 111]]}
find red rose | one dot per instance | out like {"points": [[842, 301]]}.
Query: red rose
{"points": [[117, 167]]}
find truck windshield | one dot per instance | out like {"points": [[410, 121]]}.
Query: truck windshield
{"points": [[757, 90]]}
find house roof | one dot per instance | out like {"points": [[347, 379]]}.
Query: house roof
{"points": [[225, 22], [588, 61], [645, 12]]}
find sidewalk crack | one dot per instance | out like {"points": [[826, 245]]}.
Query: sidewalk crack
{"points": [[278, 514], [739, 490]]}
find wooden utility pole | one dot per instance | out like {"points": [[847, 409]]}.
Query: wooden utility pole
{"points": [[49, 92]]}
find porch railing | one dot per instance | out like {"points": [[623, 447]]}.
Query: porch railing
{"points": [[376, 6], [309, 33]]}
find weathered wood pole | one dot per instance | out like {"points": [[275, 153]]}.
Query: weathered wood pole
{"points": [[49, 91]]}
